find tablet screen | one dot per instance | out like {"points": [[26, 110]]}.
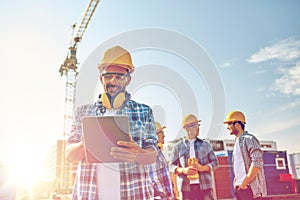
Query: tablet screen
{"points": [[100, 133]]}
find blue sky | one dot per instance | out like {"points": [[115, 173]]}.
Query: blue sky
{"points": [[253, 45]]}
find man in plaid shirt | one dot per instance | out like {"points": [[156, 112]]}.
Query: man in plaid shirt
{"points": [[129, 178], [249, 180], [193, 160]]}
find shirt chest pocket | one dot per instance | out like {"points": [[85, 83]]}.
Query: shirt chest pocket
{"points": [[203, 157], [137, 131]]}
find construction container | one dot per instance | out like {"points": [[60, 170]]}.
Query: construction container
{"points": [[223, 177], [278, 179], [297, 185]]}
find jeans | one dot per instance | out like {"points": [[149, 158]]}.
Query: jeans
{"points": [[245, 194], [196, 193]]}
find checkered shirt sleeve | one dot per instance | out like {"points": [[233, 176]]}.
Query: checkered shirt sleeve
{"points": [[161, 179]]}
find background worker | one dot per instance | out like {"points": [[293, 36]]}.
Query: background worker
{"points": [[193, 160], [249, 180], [161, 141], [128, 179], [160, 135], [159, 171]]}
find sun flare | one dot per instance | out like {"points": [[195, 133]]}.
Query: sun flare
{"points": [[25, 167]]}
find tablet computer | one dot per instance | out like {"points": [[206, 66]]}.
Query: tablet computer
{"points": [[100, 133]]}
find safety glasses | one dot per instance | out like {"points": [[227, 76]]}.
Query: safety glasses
{"points": [[120, 78]]}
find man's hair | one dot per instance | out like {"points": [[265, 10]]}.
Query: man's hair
{"points": [[241, 124]]}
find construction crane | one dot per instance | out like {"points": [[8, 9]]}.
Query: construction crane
{"points": [[69, 67], [65, 170]]}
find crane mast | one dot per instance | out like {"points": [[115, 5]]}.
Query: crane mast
{"points": [[69, 67], [64, 169]]}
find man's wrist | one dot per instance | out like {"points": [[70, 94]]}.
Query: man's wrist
{"points": [[177, 171], [246, 181]]}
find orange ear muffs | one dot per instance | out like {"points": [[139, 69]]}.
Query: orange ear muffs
{"points": [[117, 102], [105, 101], [160, 145]]}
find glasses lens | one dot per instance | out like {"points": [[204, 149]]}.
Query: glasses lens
{"points": [[159, 132], [193, 126], [117, 77]]}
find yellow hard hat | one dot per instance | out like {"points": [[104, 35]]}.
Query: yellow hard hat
{"points": [[117, 56], [234, 116], [189, 119], [159, 127]]}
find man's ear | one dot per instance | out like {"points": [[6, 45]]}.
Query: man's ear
{"points": [[239, 127], [101, 79], [128, 80]]}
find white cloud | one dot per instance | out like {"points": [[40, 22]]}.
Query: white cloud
{"points": [[284, 50], [225, 65], [289, 82], [229, 63]]}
